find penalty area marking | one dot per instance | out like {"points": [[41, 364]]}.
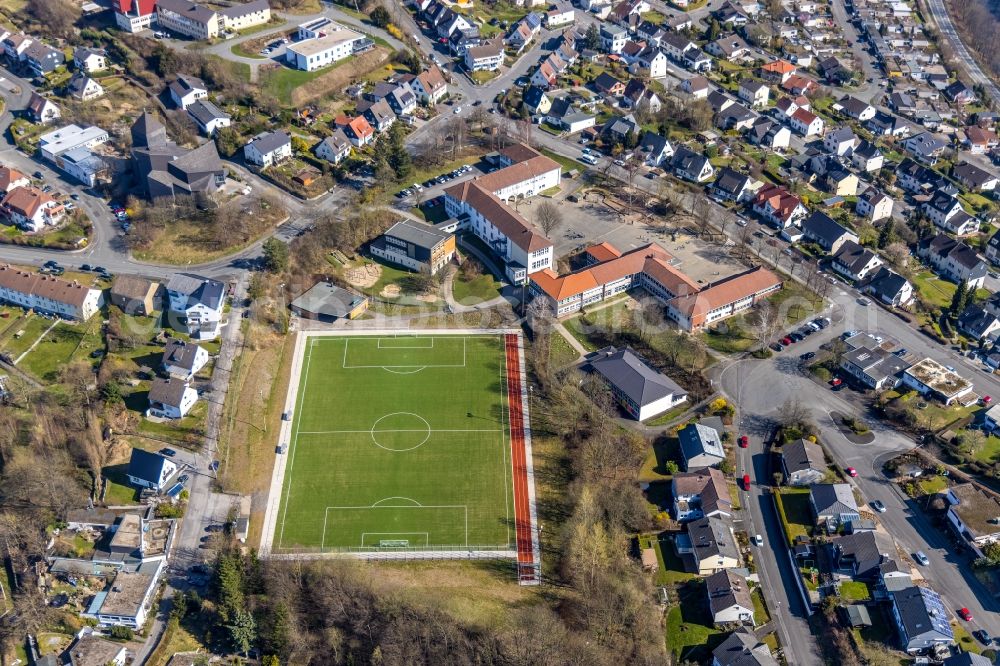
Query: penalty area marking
{"points": [[425, 544], [379, 505], [390, 343], [404, 368]]}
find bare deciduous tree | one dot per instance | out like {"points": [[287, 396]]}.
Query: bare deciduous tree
{"points": [[550, 217]]}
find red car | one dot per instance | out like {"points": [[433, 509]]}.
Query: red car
{"points": [[786, 341], [744, 441], [987, 399], [965, 614], [836, 381], [851, 472], [746, 482]]}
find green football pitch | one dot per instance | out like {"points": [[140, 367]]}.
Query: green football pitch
{"points": [[398, 442]]}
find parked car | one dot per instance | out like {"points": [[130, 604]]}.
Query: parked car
{"points": [[758, 540], [851, 472], [983, 636], [786, 341], [807, 356], [744, 441], [85, 267], [168, 452], [921, 558], [879, 506], [965, 614], [775, 347], [746, 482]]}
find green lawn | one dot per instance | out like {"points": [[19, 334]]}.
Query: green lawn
{"points": [[282, 81], [729, 337], [671, 569], [62, 344], [119, 491], [990, 451], [932, 485], [378, 454], [854, 590], [481, 288], [690, 634], [33, 327], [935, 291], [669, 415], [760, 614], [567, 163], [561, 352], [798, 514]]}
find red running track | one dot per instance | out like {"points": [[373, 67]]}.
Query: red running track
{"points": [[522, 502]]}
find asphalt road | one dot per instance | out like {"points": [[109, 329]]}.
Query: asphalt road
{"points": [[939, 14]]}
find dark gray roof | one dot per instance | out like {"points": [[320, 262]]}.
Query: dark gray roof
{"points": [[853, 106], [712, 537], [971, 174], [921, 611], [148, 131], [833, 498], [328, 300], [205, 112], [145, 465], [966, 659], [946, 246], [78, 84], [237, 11], [976, 321], [803, 455], [727, 589], [417, 233], [270, 141], [696, 439], [824, 228], [887, 283], [742, 648], [631, 375], [181, 354], [867, 149], [185, 84], [865, 550], [731, 181], [167, 391], [187, 9], [198, 289], [853, 256]]}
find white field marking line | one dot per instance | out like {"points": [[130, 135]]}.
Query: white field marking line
{"points": [[300, 400], [415, 337], [464, 507], [427, 538], [504, 445], [399, 497], [404, 372]]}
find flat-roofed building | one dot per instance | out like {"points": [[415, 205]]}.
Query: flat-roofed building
{"points": [[54, 144], [325, 301], [930, 378], [414, 245], [126, 602], [334, 44], [974, 515]]}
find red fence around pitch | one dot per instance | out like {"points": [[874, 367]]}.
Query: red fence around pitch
{"points": [[522, 500]]}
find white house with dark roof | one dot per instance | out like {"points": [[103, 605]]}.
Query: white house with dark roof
{"points": [[873, 367], [874, 205], [186, 90], [731, 185], [974, 178], [42, 109], [954, 260], [641, 391], [833, 503], [709, 544], [170, 398], [925, 147], [149, 470], [946, 212], [700, 494], [754, 93], [742, 648], [83, 88], [208, 117], [867, 157], [821, 229], [855, 261], [701, 446], [890, 287], [89, 60], [200, 301], [729, 600], [268, 148], [921, 619], [334, 148], [803, 463], [183, 360]]}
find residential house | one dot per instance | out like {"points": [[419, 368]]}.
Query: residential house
{"points": [[729, 47], [563, 14], [92, 650], [979, 323], [840, 141], [854, 261], [925, 147], [11, 179], [45, 293], [833, 71], [973, 515], [778, 206], [89, 60], [854, 108], [430, 86], [711, 544], [862, 554], [806, 123], [966, 659], [127, 599], [700, 494], [186, 90], [656, 149], [954, 260], [729, 600], [930, 378], [183, 360], [149, 470], [696, 60], [873, 367], [42, 59], [358, 131], [731, 185], [803, 463], [769, 134], [890, 288], [486, 57], [796, 84], [42, 110], [14, 46], [134, 295], [993, 248], [821, 229], [777, 71], [696, 86], [83, 88], [979, 140], [959, 93], [691, 166], [886, 124], [622, 129], [874, 205], [208, 117], [719, 101], [613, 37], [741, 648], [170, 398], [200, 301], [536, 101], [638, 95], [378, 114], [642, 391], [755, 93], [651, 63], [735, 116], [608, 85], [946, 212], [833, 504], [917, 179], [334, 148], [564, 116], [268, 148], [867, 157], [701, 447], [921, 619], [31, 209], [973, 178]]}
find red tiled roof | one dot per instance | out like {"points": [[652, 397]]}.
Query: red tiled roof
{"points": [[729, 290], [561, 287], [145, 7], [779, 67], [45, 286], [603, 251], [510, 223]]}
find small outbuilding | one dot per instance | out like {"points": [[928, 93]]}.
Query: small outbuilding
{"points": [[325, 301]]}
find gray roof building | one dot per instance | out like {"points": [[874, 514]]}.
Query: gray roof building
{"points": [[165, 170], [204, 113], [833, 502], [742, 648], [147, 466], [821, 229], [181, 354], [638, 387], [863, 553], [803, 463], [921, 619], [327, 301], [701, 446], [729, 598], [713, 537]]}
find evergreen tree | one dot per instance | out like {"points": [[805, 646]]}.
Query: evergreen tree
{"points": [[593, 38], [713, 30], [398, 158], [960, 299], [380, 17], [887, 234]]}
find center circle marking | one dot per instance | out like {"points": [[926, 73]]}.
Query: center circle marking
{"points": [[425, 426]]}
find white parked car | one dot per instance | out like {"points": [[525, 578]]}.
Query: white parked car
{"points": [[758, 540]]}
